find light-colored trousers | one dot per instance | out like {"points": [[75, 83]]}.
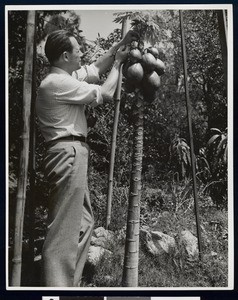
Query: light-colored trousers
{"points": [[70, 218]]}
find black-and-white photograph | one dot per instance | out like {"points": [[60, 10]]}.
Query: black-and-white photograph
{"points": [[118, 162]]}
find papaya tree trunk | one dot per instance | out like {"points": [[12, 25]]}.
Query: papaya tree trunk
{"points": [[131, 259], [24, 157], [114, 137]]}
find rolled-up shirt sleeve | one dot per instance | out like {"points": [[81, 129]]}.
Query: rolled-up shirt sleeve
{"points": [[73, 91], [87, 73]]}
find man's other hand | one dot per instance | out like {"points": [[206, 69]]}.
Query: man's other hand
{"points": [[122, 53], [129, 37]]}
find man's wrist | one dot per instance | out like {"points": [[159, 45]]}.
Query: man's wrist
{"points": [[117, 63], [114, 48]]}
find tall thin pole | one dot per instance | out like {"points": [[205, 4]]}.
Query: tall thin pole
{"points": [[24, 158], [190, 134], [114, 137], [32, 171]]}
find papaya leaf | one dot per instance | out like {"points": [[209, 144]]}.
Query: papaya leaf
{"points": [[184, 157], [121, 16], [183, 140], [220, 147], [205, 162], [216, 130], [212, 139]]}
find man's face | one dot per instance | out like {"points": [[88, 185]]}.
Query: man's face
{"points": [[75, 56]]}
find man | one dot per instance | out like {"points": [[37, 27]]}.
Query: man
{"points": [[60, 106]]}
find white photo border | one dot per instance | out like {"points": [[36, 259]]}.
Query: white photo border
{"points": [[229, 8]]}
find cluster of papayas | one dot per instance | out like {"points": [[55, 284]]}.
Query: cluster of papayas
{"points": [[143, 69]]}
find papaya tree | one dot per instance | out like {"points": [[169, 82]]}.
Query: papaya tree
{"points": [[142, 72]]}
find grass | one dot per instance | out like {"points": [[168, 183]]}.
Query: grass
{"points": [[168, 208]]}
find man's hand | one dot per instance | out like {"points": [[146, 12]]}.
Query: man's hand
{"points": [[122, 53], [129, 37], [105, 62]]}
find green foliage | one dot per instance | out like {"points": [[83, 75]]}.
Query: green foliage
{"points": [[100, 46], [49, 21], [16, 46], [146, 23], [202, 166], [217, 155], [217, 145], [180, 155], [205, 66]]}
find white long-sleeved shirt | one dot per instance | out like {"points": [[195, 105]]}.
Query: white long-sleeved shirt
{"points": [[61, 100]]}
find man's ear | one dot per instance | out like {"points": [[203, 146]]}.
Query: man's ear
{"points": [[65, 56]]}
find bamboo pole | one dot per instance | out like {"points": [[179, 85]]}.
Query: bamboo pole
{"points": [[24, 157], [114, 137], [31, 202], [188, 103], [32, 171], [131, 259]]}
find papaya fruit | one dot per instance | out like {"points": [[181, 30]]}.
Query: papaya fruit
{"points": [[148, 62], [160, 67], [135, 55], [154, 51], [135, 73], [151, 81]]}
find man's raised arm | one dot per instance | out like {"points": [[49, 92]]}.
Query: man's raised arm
{"points": [[105, 62]]}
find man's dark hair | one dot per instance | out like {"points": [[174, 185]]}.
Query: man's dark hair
{"points": [[57, 42]]}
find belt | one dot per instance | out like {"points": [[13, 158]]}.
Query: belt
{"points": [[72, 138]]}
